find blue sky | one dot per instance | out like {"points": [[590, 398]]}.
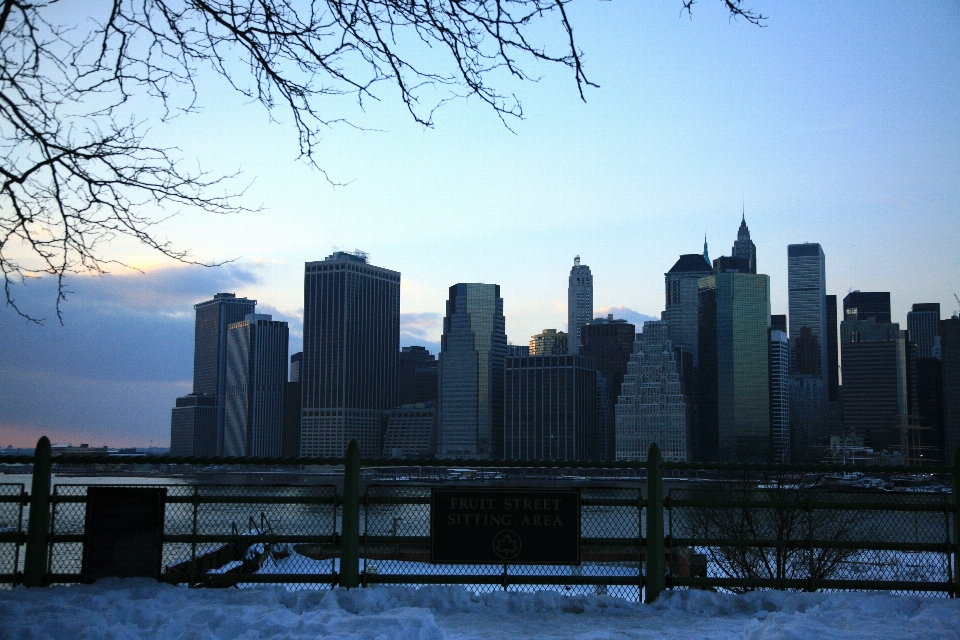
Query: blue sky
{"points": [[836, 123]]}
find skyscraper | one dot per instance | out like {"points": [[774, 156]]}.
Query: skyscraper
{"points": [[472, 353], [417, 376], [210, 349], [833, 353], [193, 426], [923, 323], [652, 406], [780, 395], [550, 408], [579, 302], [550, 342], [874, 361], [256, 380], [806, 291], [734, 376], [744, 247], [680, 312], [351, 342], [610, 343], [950, 348], [867, 304]]}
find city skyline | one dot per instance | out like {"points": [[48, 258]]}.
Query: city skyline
{"points": [[828, 128]]}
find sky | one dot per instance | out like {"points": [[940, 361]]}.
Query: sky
{"points": [[836, 123]]}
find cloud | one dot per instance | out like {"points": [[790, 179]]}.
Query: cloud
{"points": [[123, 353], [624, 313], [421, 329]]}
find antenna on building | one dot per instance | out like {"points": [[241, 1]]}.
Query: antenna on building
{"points": [[576, 260]]}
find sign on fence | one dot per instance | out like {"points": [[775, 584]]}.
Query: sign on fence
{"points": [[505, 526], [123, 537]]}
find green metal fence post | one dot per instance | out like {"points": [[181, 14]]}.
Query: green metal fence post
{"points": [[656, 553], [956, 522], [35, 559], [350, 538]]}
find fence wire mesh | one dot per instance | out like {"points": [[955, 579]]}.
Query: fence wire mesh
{"points": [[12, 531], [395, 547], [220, 534], [748, 533]]}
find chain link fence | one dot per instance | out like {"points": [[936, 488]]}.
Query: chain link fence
{"points": [[790, 533], [12, 533]]}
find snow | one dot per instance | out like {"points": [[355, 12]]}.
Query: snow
{"points": [[136, 608]]}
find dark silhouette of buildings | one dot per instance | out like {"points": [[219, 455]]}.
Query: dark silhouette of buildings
{"points": [[950, 350], [472, 353], [550, 408], [874, 361], [296, 365], [193, 426], [867, 304], [609, 342], [680, 312], [351, 342], [833, 357], [923, 323], [417, 376]]}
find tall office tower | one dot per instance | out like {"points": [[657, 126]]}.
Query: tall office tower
{"points": [[417, 376], [210, 349], [744, 247], [950, 349], [867, 304], [680, 312], [579, 302], [807, 417], [550, 408], [806, 353], [734, 377], [779, 395], [806, 291], [411, 431], [923, 323], [930, 408], [351, 342], [833, 357], [472, 353], [610, 343], [518, 350], [256, 378], [652, 406], [193, 426], [550, 342], [292, 402], [296, 365], [874, 362], [778, 322]]}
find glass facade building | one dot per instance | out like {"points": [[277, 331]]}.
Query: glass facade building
{"points": [[807, 299], [210, 349], [256, 380], [779, 395], [473, 349], [734, 381], [351, 343]]}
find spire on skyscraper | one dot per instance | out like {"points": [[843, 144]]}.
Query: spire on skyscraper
{"points": [[706, 254], [744, 247]]}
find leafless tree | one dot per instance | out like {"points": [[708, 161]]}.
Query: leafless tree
{"points": [[772, 524], [78, 168]]}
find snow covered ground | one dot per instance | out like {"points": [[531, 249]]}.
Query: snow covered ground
{"points": [[118, 609]]}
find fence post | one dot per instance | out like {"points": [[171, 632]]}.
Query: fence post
{"points": [[956, 522], [35, 559], [656, 567], [350, 536]]}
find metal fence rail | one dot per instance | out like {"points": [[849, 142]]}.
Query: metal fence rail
{"points": [[746, 527]]}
